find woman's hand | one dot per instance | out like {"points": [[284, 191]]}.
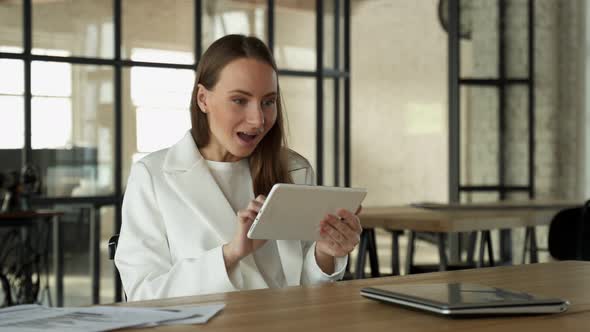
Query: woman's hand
{"points": [[241, 246], [340, 234]]}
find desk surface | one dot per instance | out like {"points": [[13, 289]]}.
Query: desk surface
{"points": [[339, 307], [537, 204], [455, 220]]}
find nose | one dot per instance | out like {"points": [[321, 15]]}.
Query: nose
{"points": [[255, 118]]}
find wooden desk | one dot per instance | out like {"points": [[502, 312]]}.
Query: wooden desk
{"points": [[449, 218], [339, 307], [447, 221], [25, 219]]}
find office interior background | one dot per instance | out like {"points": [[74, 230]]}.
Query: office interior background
{"points": [[87, 87]]}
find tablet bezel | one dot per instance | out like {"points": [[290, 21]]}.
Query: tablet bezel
{"points": [[310, 201], [536, 306]]}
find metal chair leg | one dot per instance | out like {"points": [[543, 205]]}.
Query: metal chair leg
{"points": [[410, 251], [527, 235], [395, 253], [373, 258], [482, 248], [359, 272], [442, 254], [472, 241], [490, 249], [533, 247]]}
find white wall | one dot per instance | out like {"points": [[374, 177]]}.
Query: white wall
{"points": [[399, 101]]}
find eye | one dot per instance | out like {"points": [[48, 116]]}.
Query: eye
{"points": [[239, 101], [268, 103]]}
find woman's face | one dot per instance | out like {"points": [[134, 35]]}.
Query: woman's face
{"points": [[241, 109]]}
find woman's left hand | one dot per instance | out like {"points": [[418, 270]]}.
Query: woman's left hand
{"points": [[340, 234]]}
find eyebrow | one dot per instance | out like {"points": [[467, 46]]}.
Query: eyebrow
{"points": [[250, 94]]}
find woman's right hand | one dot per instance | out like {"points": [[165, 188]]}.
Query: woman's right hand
{"points": [[241, 246]]}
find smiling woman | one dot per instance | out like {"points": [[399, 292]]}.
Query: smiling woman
{"points": [[188, 208]]}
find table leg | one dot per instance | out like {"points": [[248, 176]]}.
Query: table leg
{"points": [[373, 258], [455, 246], [442, 255], [359, 271], [533, 246], [94, 215], [482, 249], [395, 253], [472, 241], [46, 289], [505, 246], [410, 252], [58, 261], [527, 235], [490, 250], [26, 251]]}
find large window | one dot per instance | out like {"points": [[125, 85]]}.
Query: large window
{"points": [[88, 87]]}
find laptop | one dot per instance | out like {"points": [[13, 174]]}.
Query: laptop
{"points": [[457, 299]]}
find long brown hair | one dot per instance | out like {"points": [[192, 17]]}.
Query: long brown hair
{"points": [[269, 161]]}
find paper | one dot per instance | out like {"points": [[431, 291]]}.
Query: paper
{"points": [[36, 318]]}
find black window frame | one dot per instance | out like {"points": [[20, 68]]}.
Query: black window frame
{"points": [[339, 73]]}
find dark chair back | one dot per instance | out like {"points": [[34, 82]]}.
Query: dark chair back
{"points": [[569, 234], [113, 241]]}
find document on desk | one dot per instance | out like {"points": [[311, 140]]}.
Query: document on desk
{"points": [[36, 318]]}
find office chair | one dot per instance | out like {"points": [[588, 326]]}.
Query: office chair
{"points": [[569, 234], [113, 241]]}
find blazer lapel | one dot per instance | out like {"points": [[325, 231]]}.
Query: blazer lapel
{"points": [[189, 175], [291, 255]]}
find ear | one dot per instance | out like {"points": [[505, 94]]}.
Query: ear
{"points": [[202, 96]]}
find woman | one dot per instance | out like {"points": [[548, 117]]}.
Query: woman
{"points": [[187, 209]]}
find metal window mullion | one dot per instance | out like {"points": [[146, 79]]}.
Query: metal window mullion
{"points": [[27, 156], [270, 29], [454, 112], [346, 115], [118, 114], [319, 91], [502, 97], [198, 30], [531, 96], [494, 81], [328, 73], [337, 128]]}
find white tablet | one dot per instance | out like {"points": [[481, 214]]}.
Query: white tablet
{"points": [[457, 299], [294, 212]]}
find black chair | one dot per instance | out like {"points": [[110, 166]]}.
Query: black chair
{"points": [[113, 241], [569, 234]]}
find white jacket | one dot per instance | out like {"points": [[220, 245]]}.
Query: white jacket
{"points": [[172, 233]]}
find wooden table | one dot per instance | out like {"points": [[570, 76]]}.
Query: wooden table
{"points": [[24, 220], [339, 307], [450, 218]]}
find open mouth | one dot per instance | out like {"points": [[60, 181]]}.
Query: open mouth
{"points": [[247, 137]]}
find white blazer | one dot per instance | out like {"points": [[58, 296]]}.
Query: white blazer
{"points": [[175, 224]]}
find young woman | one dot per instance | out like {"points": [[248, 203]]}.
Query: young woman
{"points": [[188, 208]]}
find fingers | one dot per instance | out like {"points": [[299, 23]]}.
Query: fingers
{"points": [[256, 204], [260, 198], [246, 216], [330, 247], [249, 214], [335, 230], [358, 211], [351, 220]]}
